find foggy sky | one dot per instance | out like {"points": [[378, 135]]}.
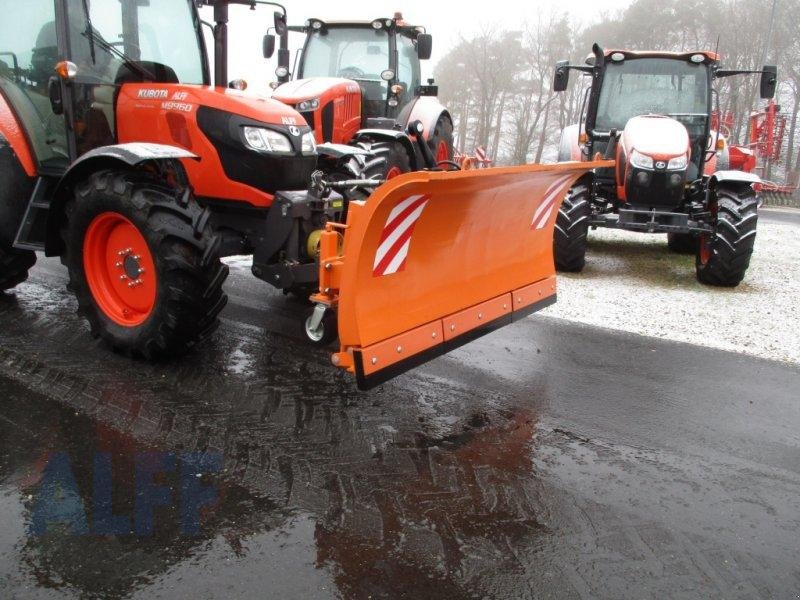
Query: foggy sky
{"points": [[445, 20]]}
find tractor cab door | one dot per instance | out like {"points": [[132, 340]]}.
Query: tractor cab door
{"points": [[30, 48]]}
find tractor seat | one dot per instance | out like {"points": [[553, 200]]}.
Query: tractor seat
{"points": [[160, 73]]}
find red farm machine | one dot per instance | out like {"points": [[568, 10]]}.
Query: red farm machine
{"points": [[651, 112], [118, 155]]}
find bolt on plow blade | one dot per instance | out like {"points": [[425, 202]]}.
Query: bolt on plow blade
{"points": [[433, 260]]}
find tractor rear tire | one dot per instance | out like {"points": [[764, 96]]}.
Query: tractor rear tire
{"points": [[682, 243], [571, 233], [441, 141], [125, 227], [722, 259], [15, 192]]}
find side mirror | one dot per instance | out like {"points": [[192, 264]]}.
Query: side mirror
{"points": [[269, 45], [769, 81], [280, 23], [561, 77], [424, 46]]}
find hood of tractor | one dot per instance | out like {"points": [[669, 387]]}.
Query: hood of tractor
{"points": [[330, 105], [248, 147], [293, 92], [658, 137]]}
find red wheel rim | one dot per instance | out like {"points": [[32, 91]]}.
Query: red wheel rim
{"points": [[705, 250], [442, 152], [119, 269], [393, 172]]}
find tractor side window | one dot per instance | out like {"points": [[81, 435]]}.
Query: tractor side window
{"points": [[28, 56], [408, 72]]}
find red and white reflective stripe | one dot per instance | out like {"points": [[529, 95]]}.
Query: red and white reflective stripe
{"points": [[480, 153], [396, 236], [545, 209]]}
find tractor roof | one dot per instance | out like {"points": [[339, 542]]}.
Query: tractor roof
{"points": [[402, 26], [711, 57]]}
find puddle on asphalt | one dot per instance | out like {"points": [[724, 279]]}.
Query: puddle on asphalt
{"points": [[299, 495]]}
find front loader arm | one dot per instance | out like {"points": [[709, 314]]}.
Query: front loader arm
{"points": [[433, 260]]}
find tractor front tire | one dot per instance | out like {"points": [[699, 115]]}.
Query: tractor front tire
{"points": [[385, 160], [722, 259], [143, 264], [441, 140], [682, 243], [572, 229]]}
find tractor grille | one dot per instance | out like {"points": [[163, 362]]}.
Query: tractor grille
{"points": [[309, 117]]}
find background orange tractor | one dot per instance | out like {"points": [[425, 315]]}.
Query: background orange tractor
{"points": [[360, 83], [651, 112]]}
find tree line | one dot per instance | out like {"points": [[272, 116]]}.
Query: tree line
{"points": [[498, 84]]}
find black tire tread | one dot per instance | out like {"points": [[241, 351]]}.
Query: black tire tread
{"points": [[182, 242], [732, 246], [570, 237]]}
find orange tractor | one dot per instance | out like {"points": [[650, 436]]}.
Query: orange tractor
{"points": [[118, 155], [359, 83], [651, 113]]}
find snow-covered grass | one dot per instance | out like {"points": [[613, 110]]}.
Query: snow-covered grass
{"points": [[631, 282]]}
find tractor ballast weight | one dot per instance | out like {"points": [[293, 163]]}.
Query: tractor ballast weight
{"points": [[651, 112]]}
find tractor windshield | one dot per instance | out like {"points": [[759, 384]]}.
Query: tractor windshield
{"points": [[357, 53], [664, 86]]}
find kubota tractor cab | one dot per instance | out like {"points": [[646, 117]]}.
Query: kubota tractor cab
{"points": [[360, 83], [651, 112]]}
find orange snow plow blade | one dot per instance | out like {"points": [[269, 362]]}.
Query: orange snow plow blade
{"points": [[433, 260]]}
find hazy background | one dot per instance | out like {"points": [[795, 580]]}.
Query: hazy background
{"points": [[447, 21], [494, 61]]}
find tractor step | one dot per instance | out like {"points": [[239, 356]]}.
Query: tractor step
{"points": [[32, 231], [650, 221]]}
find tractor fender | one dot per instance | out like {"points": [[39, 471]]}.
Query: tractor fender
{"points": [[428, 110], [568, 147], [338, 150], [390, 135], [733, 177], [13, 135], [118, 156]]}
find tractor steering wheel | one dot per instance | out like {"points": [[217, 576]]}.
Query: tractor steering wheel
{"points": [[351, 72]]}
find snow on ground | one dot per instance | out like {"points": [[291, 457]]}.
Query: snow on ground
{"points": [[632, 283]]}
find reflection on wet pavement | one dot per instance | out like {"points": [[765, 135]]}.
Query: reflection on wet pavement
{"points": [[425, 488]]}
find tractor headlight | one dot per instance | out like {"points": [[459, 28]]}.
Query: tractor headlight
{"points": [[678, 163], [308, 145], [266, 140], [307, 105], [641, 161]]}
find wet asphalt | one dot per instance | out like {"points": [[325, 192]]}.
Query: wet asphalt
{"points": [[546, 460]]}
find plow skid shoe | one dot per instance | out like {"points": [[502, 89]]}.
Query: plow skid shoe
{"points": [[433, 260]]}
